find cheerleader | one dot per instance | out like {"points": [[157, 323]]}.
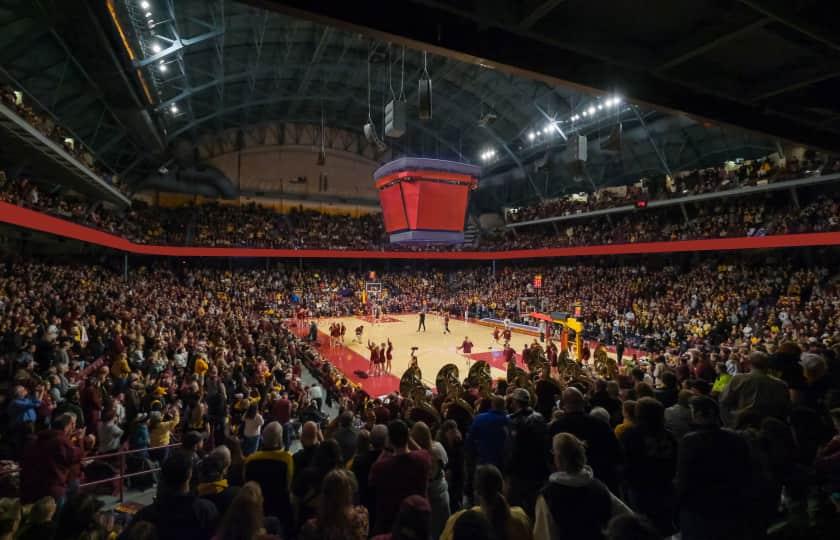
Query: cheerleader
{"points": [[374, 357], [389, 356], [496, 335]]}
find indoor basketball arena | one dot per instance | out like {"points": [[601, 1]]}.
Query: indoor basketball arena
{"points": [[419, 270]]}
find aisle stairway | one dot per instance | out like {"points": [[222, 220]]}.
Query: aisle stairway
{"points": [[471, 235]]}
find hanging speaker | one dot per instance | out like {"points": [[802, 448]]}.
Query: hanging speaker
{"points": [[395, 118], [424, 99]]}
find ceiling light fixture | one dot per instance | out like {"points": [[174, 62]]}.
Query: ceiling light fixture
{"points": [[591, 110], [531, 135], [163, 68], [148, 14], [173, 109], [156, 48], [144, 5]]}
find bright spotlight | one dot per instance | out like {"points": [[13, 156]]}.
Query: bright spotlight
{"points": [[549, 127], [148, 14], [591, 110], [144, 4], [156, 48], [600, 107], [617, 100], [173, 109], [584, 114], [531, 135], [163, 68]]}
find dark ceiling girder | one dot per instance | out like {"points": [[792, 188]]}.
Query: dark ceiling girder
{"points": [[441, 31], [705, 45], [784, 14], [538, 13]]}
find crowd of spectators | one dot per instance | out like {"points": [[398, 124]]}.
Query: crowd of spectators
{"points": [[726, 424], [252, 225], [684, 184], [17, 102]]}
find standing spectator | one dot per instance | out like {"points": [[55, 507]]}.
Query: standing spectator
{"points": [[108, 433], [678, 417], [362, 465], [346, 436], [651, 460], [23, 412], [281, 411], [508, 523], [310, 438], [160, 432], [252, 424], [713, 465], [307, 484], [338, 518], [574, 504], [272, 468], [527, 466], [488, 434], [213, 485], [244, 520], [412, 521], [450, 437], [669, 392], [175, 512], [603, 452], [756, 392], [50, 461], [397, 474], [438, 492]]}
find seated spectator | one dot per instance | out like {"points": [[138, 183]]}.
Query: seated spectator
{"points": [[574, 504], [175, 513], [272, 469], [397, 474], [338, 518], [508, 523], [40, 523]]}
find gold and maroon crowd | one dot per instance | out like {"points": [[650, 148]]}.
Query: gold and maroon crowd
{"points": [[721, 420]]}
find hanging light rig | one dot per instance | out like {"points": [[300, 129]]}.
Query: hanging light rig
{"points": [[424, 92], [395, 110]]}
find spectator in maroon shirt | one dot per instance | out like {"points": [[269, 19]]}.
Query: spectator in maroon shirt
{"points": [[48, 462], [397, 474], [282, 412]]}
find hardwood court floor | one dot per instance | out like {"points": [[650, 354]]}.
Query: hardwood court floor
{"points": [[435, 348]]}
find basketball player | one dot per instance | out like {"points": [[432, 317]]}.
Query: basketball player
{"points": [[359, 330], [446, 323], [467, 347], [343, 330]]}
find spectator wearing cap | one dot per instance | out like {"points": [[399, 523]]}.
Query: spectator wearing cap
{"points": [[176, 513], [756, 391], [574, 503], [603, 453], [714, 475], [397, 474], [273, 469], [527, 462]]}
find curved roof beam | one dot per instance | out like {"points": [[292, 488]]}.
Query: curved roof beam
{"points": [[278, 99]]}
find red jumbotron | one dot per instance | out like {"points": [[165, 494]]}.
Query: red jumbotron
{"points": [[425, 200]]}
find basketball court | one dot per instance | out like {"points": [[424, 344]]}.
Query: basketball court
{"points": [[434, 348]]}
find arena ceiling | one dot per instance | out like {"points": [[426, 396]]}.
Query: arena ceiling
{"points": [[132, 78]]}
